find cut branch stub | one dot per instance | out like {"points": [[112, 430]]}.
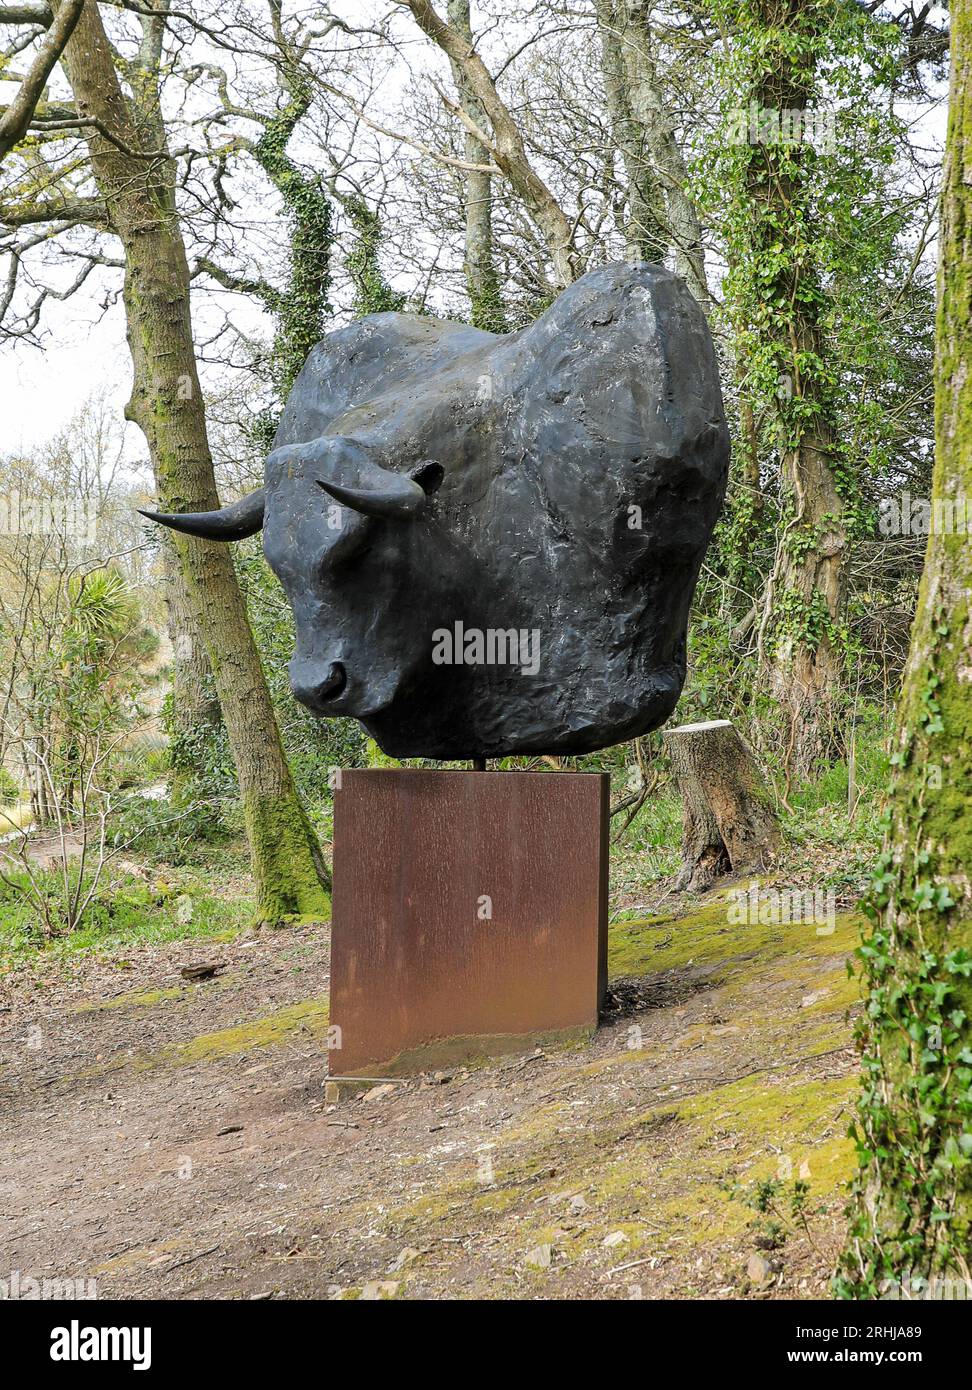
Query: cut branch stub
{"points": [[729, 823]]}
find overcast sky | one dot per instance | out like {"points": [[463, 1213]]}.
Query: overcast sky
{"points": [[83, 351], [40, 390]]}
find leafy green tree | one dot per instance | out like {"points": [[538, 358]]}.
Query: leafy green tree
{"points": [[799, 184]]}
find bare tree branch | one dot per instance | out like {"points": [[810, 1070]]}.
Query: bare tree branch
{"points": [[26, 14], [419, 145], [16, 119], [507, 146]]}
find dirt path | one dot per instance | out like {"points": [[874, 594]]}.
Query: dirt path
{"points": [[172, 1139]]}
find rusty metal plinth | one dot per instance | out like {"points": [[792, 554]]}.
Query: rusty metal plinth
{"points": [[470, 915]]}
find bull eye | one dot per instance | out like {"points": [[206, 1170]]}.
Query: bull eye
{"points": [[428, 474]]}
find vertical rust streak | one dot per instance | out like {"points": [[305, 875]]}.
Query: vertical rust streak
{"points": [[416, 971]]}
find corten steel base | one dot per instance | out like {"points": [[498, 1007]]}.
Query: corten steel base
{"points": [[421, 973]]}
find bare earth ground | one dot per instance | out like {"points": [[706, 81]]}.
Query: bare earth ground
{"points": [[173, 1140]]}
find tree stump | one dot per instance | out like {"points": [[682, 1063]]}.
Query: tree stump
{"points": [[728, 822]]}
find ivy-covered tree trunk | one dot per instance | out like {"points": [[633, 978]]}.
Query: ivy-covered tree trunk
{"points": [[302, 308], [804, 605], [912, 1211], [372, 292], [167, 404], [778, 304]]}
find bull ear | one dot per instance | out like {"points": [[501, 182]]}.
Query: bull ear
{"points": [[428, 474], [393, 496], [233, 523]]}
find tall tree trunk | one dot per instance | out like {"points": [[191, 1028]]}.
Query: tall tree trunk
{"points": [[166, 403], [645, 232], [800, 649], [648, 109], [482, 281], [912, 1218], [804, 607], [195, 714]]}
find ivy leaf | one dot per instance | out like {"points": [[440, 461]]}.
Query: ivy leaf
{"points": [[959, 962], [923, 896], [954, 1153], [943, 898]]}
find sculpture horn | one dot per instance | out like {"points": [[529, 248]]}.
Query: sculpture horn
{"points": [[395, 497], [232, 523]]}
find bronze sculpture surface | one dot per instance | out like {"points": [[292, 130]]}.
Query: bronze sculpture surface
{"points": [[490, 543]]}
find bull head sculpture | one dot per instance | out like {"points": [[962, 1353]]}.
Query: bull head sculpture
{"points": [[490, 542]]}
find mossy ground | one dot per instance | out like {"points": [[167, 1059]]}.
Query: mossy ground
{"points": [[752, 1078], [135, 907], [624, 1161]]}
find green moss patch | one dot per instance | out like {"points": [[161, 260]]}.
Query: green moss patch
{"points": [[133, 999], [310, 1016], [707, 936]]}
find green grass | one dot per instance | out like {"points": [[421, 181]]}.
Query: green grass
{"points": [[649, 850], [817, 819], [209, 864], [127, 911]]}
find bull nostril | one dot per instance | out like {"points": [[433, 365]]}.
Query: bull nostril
{"points": [[335, 683]]}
